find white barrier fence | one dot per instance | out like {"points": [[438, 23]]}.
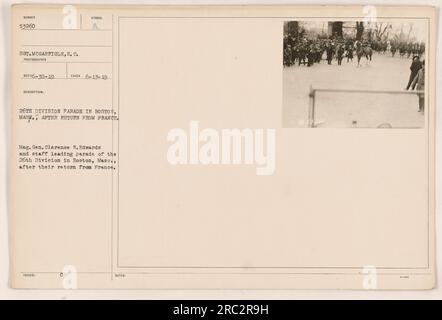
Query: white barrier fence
{"points": [[313, 91]]}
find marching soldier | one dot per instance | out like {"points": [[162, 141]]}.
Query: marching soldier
{"points": [[340, 54], [329, 51]]}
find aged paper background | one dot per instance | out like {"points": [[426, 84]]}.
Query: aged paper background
{"points": [[268, 113]]}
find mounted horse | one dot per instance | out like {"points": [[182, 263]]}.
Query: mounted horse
{"points": [[363, 50]]}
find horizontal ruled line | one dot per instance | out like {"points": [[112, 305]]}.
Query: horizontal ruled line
{"points": [[66, 30], [65, 79], [62, 45], [42, 62]]}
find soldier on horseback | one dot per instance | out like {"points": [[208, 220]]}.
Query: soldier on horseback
{"points": [[363, 49], [349, 51]]}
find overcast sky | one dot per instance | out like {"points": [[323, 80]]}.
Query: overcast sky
{"points": [[418, 29]]}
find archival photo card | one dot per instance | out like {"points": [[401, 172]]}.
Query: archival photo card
{"points": [[171, 147]]}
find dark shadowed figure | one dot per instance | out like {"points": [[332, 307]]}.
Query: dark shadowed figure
{"points": [[419, 84], [340, 54], [329, 52], [416, 65]]}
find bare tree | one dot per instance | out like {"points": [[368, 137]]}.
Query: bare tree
{"points": [[380, 29], [359, 30], [409, 31]]}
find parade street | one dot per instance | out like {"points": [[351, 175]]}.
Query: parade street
{"points": [[348, 109]]}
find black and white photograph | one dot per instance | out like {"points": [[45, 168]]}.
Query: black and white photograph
{"points": [[354, 74]]}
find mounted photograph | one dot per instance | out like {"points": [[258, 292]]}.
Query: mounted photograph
{"points": [[354, 74]]}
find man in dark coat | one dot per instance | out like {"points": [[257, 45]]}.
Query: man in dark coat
{"points": [[302, 52], [288, 56], [310, 55], [419, 83], [329, 52], [416, 65], [340, 54]]}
